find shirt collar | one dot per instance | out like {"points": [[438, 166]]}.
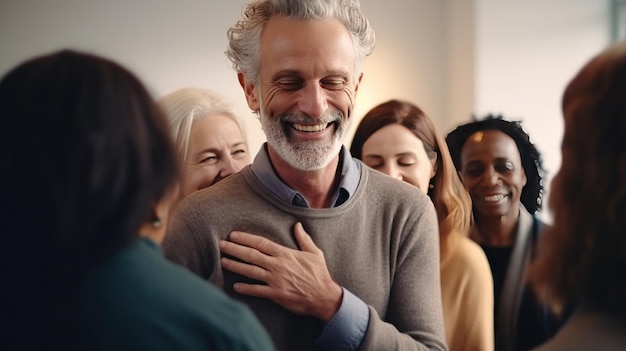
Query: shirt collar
{"points": [[350, 176]]}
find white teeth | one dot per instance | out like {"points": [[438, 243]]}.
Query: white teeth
{"points": [[310, 128], [494, 198]]}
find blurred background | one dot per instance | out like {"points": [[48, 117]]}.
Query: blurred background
{"points": [[453, 58]]}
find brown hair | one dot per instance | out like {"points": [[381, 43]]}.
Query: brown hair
{"points": [[582, 257], [450, 198]]}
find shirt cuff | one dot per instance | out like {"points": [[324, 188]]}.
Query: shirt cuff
{"points": [[346, 330]]}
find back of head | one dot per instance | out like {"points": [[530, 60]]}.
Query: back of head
{"points": [[447, 193], [244, 37], [185, 105], [532, 193], [85, 155], [583, 257]]}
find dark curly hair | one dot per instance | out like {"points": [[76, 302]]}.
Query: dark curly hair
{"points": [[532, 193]]}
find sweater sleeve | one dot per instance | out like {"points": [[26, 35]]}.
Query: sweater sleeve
{"points": [[414, 319]]}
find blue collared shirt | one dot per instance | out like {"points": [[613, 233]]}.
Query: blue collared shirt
{"points": [[346, 330], [350, 177]]}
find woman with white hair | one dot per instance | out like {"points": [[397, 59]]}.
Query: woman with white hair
{"points": [[208, 134]]}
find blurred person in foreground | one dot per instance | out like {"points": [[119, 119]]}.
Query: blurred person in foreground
{"points": [[208, 137], [582, 256], [88, 178], [400, 140], [365, 273]]}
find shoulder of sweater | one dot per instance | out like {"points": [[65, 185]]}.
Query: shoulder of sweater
{"points": [[378, 181], [205, 197]]}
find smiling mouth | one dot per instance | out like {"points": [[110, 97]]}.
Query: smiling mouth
{"points": [[310, 128], [495, 198]]}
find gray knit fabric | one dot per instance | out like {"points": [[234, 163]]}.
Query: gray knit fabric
{"points": [[382, 245]]}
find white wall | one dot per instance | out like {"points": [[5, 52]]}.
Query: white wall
{"points": [[424, 54], [408, 60], [526, 53], [171, 44]]}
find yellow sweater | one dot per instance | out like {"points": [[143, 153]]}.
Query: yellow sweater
{"points": [[467, 297]]}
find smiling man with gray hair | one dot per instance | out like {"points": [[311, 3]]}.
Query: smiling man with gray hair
{"points": [[365, 273]]}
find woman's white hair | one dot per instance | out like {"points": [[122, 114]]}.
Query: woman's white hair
{"points": [[186, 105]]}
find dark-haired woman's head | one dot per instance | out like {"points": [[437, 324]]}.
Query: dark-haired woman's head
{"points": [[499, 165], [86, 159], [86, 152]]}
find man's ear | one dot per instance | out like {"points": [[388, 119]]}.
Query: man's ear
{"points": [[358, 82], [250, 91]]}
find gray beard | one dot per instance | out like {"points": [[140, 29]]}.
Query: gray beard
{"points": [[307, 155]]}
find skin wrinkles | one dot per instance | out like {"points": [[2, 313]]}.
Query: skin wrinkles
{"points": [[283, 62], [329, 90], [216, 150], [397, 152], [304, 74], [492, 172]]}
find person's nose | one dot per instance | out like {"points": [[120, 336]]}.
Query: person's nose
{"points": [[313, 100], [229, 166], [490, 177], [392, 171]]}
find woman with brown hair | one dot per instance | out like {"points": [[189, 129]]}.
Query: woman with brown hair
{"points": [[582, 257], [397, 138]]}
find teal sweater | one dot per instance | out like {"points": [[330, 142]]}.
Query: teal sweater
{"points": [[382, 245], [137, 300]]}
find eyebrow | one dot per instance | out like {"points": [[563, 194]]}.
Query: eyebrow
{"points": [[497, 159], [285, 73]]}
